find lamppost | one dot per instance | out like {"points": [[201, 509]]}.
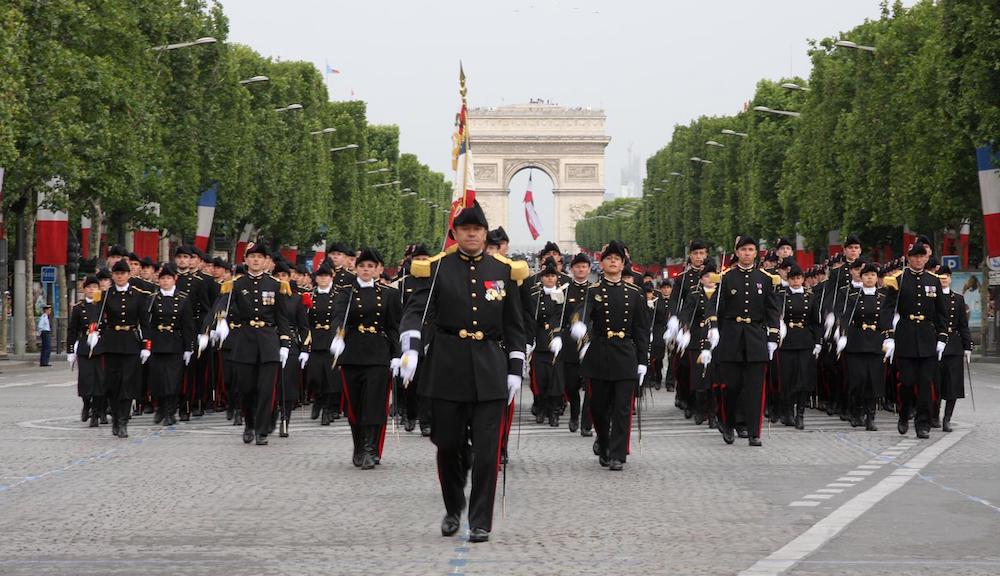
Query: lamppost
{"points": [[198, 42], [368, 161], [853, 46], [347, 147], [729, 132], [289, 108], [767, 110], [794, 86], [323, 131], [254, 80]]}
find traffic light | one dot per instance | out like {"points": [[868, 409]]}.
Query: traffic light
{"points": [[72, 255]]}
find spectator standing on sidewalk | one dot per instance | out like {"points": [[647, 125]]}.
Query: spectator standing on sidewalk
{"points": [[45, 335]]}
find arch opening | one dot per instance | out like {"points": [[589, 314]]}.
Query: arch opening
{"points": [[542, 186]]}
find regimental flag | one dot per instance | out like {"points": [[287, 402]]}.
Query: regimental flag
{"points": [[146, 240], [319, 254], [989, 191], [206, 213], [461, 161], [244, 239], [51, 229], [534, 223], [331, 70]]}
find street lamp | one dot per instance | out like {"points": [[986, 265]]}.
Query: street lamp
{"points": [[407, 190], [767, 110], [198, 42], [368, 161], [348, 147], [729, 132], [289, 107], [323, 131], [714, 143], [377, 171], [393, 183], [696, 159], [254, 80], [853, 46], [793, 86]]}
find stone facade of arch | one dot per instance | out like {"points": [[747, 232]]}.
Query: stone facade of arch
{"points": [[566, 143]]}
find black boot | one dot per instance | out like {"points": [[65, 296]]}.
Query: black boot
{"points": [[317, 407], [936, 414], [359, 445], [368, 447], [800, 417], [949, 409], [85, 413]]}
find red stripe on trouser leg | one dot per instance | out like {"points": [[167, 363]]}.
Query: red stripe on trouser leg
{"points": [[346, 397], [763, 401], [628, 430], [534, 384], [500, 437], [274, 388], [381, 439]]}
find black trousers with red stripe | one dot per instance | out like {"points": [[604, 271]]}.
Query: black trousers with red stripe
{"points": [[744, 393], [257, 384], [611, 412], [456, 424], [916, 388]]}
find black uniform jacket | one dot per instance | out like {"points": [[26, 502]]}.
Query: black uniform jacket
{"points": [[125, 325], [863, 323], [748, 315], [171, 324], [959, 337], [320, 319], [698, 315], [575, 293], [199, 297], [618, 331], [371, 333], [257, 314], [80, 318], [802, 331], [298, 322], [475, 312], [923, 316], [548, 319], [684, 283]]}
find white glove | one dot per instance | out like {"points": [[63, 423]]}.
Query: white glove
{"points": [[940, 349], [713, 337], [528, 349], [222, 330], [92, 339], [513, 385], [202, 343], [187, 357], [283, 355], [526, 369], [705, 358], [71, 358], [394, 366], [303, 358], [578, 330], [337, 346], [816, 350], [782, 331], [889, 347], [841, 343], [673, 325], [641, 371], [895, 320], [408, 365], [144, 355], [583, 351], [213, 336], [555, 345], [968, 356], [683, 338], [828, 324], [651, 304], [771, 347]]}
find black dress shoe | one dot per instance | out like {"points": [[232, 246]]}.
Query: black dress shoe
{"points": [[923, 433], [157, 418], [742, 433], [316, 409], [574, 425], [615, 465], [85, 413], [170, 420], [727, 433], [554, 421], [935, 422], [93, 421], [104, 419], [238, 419], [367, 461], [586, 432], [185, 416], [903, 426], [450, 525], [870, 424], [478, 535], [262, 439], [856, 421], [687, 414], [603, 461], [699, 419], [247, 435], [114, 428], [800, 422], [946, 425], [147, 409], [409, 425], [539, 418], [425, 430], [229, 413], [755, 441], [123, 430], [325, 418], [597, 448], [357, 457]]}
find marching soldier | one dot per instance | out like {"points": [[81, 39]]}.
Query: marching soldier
{"points": [[296, 311], [545, 338], [340, 256], [615, 317], [172, 340], [82, 330], [208, 393], [551, 250], [918, 338], [324, 382], [748, 318], [417, 407], [657, 347], [123, 333], [190, 282], [800, 338], [367, 315], [497, 241], [683, 284], [698, 338], [575, 294], [260, 345], [957, 349], [473, 366], [861, 344]]}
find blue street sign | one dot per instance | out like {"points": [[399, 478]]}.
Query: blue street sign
{"points": [[951, 261], [48, 274]]}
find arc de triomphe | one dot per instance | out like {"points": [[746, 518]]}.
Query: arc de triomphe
{"points": [[566, 143]]}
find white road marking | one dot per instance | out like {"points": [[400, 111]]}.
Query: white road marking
{"points": [[840, 485], [805, 503], [823, 531], [860, 472], [870, 467], [63, 385], [849, 479], [20, 384], [818, 496], [830, 490]]}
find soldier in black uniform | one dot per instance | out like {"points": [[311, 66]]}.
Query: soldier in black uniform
{"points": [[190, 282], [918, 337], [224, 348], [300, 345], [497, 241], [124, 332], [366, 315], [417, 407], [683, 284], [545, 337], [657, 347], [551, 250], [340, 255], [861, 346], [209, 393], [800, 345], [574, 382], [697, 324], [260, 347], [324, 382], [83, 327], [473, 366], [748, 319], [951, 381], [172, 341], [615, 318]]}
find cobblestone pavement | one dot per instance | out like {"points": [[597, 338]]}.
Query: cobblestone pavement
{"points": [[192, 499]]}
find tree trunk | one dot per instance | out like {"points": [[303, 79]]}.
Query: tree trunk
{"points": [[29, 261], [96, 228], [60, 324]]}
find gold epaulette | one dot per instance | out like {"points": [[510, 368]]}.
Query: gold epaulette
{"points": [[934, 274], [518, 268], [632, 286], [226, 287], [715, 277], [422, 268], [724, 272], [775, 279], [140, 290], [891, 280], [286, 288], [96, 298]]}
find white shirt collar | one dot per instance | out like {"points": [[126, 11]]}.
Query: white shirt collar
{"points": [[121, 288], [550, 290], [368, 284], [88, 301], [869, 291], [946, 290], [799, 290], [322, 291], [856, 284], [171, 293]]}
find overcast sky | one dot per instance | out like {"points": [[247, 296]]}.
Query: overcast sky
{"points": [[649, 65]]}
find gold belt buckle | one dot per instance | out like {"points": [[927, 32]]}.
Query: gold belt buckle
{"points": [[796, 324], [871, 327], [165, 328], [322, 327], [917, 317], [122, 328], [613, 334], [369, 329], [477, 335], [743, 320], [258, 323]]}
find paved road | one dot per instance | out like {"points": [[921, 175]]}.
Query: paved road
{"points": [[194, 500]]}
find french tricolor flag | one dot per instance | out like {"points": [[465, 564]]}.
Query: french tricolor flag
{"points": [[319, 254], [85, 227], [51, 229], [989, 191], [534, 222], [146, 241], [241, 243], [206, 212]]}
